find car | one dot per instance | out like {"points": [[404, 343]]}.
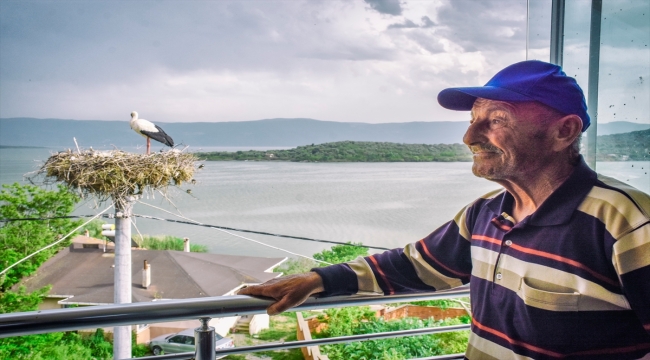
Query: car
{"points": [[184, 342]]}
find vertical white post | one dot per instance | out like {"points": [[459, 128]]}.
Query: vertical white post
{"points": [[122, 286], [146, 275], [186, 244]]}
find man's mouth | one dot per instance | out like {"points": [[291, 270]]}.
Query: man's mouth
{"points": [[484, 149]]}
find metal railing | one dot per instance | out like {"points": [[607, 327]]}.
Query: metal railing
{"points": [[44, 321]]}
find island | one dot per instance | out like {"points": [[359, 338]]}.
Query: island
{"points": [[350, 151], [631, 146]]}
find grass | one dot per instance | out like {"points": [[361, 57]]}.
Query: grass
{"points": [[290, 354], [281, 328], [168, 243], [235, 357]]}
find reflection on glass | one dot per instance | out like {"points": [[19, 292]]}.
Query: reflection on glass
{"points": [[623, 90], [538, 42]]}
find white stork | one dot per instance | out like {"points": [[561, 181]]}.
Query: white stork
{"points": [[150, 131]]}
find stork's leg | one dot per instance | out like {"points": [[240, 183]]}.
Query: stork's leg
{"points": [[148, 146]]}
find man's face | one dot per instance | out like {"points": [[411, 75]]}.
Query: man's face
{"points": [[509, 141]]}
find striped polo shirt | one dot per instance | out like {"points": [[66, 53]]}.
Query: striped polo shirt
{"points": [[570, 281]]}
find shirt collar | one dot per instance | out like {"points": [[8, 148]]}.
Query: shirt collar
{"points": [[560, 205]]}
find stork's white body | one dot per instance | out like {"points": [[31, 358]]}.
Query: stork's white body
{"points": [[150, 131]]}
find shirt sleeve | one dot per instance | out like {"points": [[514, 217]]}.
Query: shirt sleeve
{"points": [[632, 262], [440, 261]]}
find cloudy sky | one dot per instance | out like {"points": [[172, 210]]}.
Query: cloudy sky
{"points": [[373, 61]]}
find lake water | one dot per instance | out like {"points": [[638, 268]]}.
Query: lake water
{"points": [[380, 204]]}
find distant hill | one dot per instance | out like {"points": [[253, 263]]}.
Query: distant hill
{"points": [[629, 146], [270, 132]]}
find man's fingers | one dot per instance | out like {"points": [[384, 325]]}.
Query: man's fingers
{"points": [[255, 290], [280, 306], [288, 291], [273, 309], [250, 290]]}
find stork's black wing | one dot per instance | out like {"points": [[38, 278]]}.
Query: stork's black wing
{"points": [[160, 136]]}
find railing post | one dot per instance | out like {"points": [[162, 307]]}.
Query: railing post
{"points": [[205, 340]]}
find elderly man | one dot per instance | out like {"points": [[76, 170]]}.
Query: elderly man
{"points": [[558, 261]]}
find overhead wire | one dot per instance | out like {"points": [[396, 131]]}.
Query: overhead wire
{"points": [[56, 242], [229, 233], [209, 226]]}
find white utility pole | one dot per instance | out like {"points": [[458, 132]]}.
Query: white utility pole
{"points": [[122, 286]]}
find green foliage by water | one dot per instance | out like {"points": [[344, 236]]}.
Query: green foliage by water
{"points": [[337, 254], [169, 243], [361, 320], [20, 238], [352, 151], [633, 146]]}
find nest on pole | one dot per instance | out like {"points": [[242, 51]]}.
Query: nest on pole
{"points": [[118, 174]]}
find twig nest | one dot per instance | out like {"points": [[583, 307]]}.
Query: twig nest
{"points": [[118, 174]]}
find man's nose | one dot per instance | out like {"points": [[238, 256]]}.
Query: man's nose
{"points": [[473, 134]]}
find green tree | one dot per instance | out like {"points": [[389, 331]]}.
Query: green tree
{"points": [[21, 301], [336, 255], [341, 253], [20, 238]]}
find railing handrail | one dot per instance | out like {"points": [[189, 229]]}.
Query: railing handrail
{"points": [[44, 321]]}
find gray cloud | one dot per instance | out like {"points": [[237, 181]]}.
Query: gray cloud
{"points": [[233, 60], [407, 24], [427, 23], [390, 7], [484, 25]]}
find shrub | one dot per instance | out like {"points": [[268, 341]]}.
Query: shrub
{"points": [[169, 243]]}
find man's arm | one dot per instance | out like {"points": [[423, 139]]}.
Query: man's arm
{"points": [[442, 260], [288, 291]]}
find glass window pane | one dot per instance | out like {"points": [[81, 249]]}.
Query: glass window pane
{"points": [[623, 90], [538, 44]]}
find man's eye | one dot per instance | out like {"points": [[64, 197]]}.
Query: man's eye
{"points": [[497, 122]]}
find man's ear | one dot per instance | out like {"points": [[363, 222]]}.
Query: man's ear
{"points": [[565, 131]]}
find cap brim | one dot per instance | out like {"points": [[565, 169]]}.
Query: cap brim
{"points": [[463, 98]]}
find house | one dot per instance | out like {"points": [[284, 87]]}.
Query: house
{"points": [[82, 275]]}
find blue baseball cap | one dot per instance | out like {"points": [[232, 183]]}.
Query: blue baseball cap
{"points": [[530, 80]]}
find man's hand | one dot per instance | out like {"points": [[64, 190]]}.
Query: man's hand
{"points": [[288, 291]]}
